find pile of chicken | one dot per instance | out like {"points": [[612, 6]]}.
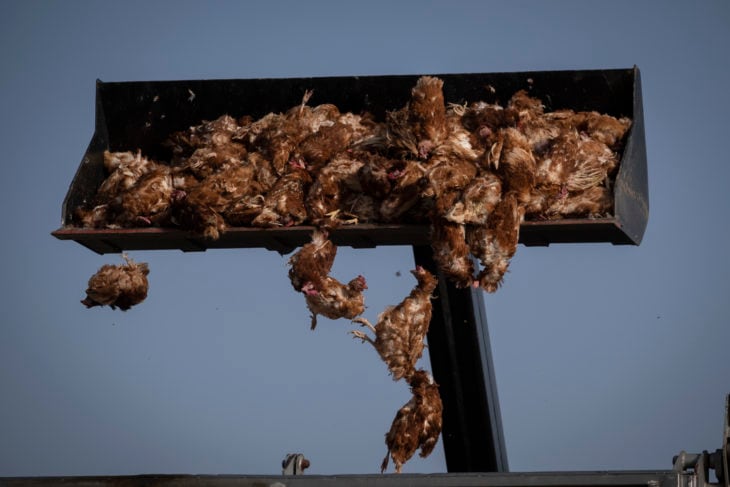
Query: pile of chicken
{"points": [[398, 338], [473, 172]]}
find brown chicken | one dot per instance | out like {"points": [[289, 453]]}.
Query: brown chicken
{"points": [[451, 253], [284, 203], [330, 298], [325, 199], [232, 191], [496, 243], [407, 181], [210, 147], [313, 261], [325, 295], [121, 286], [124, 169], [477, 201], [401, 329], [483, 121], [417, 424], [576, 162], [602, 128], [277, 136], [420, 126], [511, 157]]}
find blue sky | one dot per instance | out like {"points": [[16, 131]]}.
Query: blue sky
{"points": [[606, 357]]}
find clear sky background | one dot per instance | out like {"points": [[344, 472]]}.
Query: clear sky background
{"points": [[607, 357]]}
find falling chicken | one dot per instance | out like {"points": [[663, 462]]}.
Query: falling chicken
{"points": [[325, 295], [417, 424], [330, 298], [121, 286], [401, 329], [313, 261]]}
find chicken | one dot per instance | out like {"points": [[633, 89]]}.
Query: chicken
{"points": [[313, 261], [124, 169], [226, 192], [120, 286], [401, 329], [417, 424], [329, 297], [324, 144], [592, 203], [325, 196], [284, 203], [277, 136], [477, 201], [149, 201], [451, 253], [445, 180], [495, 243], [513, 161], [407, 180], [420, 126], [483, 121], [209, 147], [602, 128], [325, 295]]}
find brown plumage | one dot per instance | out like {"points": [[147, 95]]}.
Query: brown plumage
{"points": [[483, 121], [284, 203], [229, 190], [209, 147], [477, 201], [329, 297], [593, 202], [420, 126], [278, 136], [451, 253], [407, 178], [149, 201], [401, 329], [451, 166], [313, 261], [124, 170], [324, 144], [325, 196], [575, 162], [121, 286], [512, 158], [417, 424], [602, 128], [496, 243], [325, 295]]}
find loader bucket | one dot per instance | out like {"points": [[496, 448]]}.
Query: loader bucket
{"points": [[142, 114]]}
